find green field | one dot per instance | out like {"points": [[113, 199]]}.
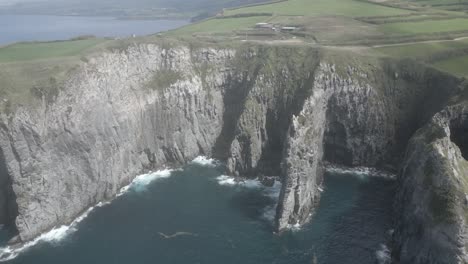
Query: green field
{"points": [[422, 27], [441, 2], [221, 25], [422, 50], [358, 24], [45, 50], [351, 8], [457, 66]]}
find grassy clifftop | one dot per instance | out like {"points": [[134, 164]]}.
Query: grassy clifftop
{"points": [[429, 32], [432, 31]]}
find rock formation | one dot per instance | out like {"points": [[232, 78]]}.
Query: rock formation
{"points": [[432, 201], [263, 110]]}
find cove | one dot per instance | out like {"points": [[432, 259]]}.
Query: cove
{"points": [[196, 215]]}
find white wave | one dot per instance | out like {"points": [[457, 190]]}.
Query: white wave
{"points": [[359, 171], [123, 190], [383, 255], [141, 182], [204, 161], [226, 180], [58, 234], [232, 181], [295, 227], [54, 236]]}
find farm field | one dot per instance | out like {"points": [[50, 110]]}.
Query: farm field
{"points": [[350, 8], [457, 66], [421, 30], [433, 26], [45, 50], [221, 25], [423, 51]]}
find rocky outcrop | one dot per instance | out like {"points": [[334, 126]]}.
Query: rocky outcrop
{"points": [[302, 162], [432, 201]]}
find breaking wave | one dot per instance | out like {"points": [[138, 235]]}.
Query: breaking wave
{"points": [[359, 171], [204, 161], [295, 227], [54, 236], [58, 234], [141, 182], [232, 181]]}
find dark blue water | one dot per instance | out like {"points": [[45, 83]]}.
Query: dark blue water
{"points": [[15, 28], [223, 224]]}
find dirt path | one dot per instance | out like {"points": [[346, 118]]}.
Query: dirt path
{"points": [[418, 42]]}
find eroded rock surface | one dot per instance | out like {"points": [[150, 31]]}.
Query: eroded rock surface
{"points": [[432, 201]]}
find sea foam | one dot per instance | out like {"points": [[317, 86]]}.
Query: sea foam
{"points": [[58, 234], [383, 255], [273, 193], [141, 182], [232, 181], [204, 161], [54, 236], [359, 171]]}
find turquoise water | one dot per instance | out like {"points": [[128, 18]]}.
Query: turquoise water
{"points": [[222, 223], [15, 28]]}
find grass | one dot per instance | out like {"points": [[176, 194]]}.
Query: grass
{"points": [[351, 8], [447, 56], [441, 2], [422, 27], [220, 25], [164, 78], [422, 50], [457, 66], [25, 83], [45, 50]]}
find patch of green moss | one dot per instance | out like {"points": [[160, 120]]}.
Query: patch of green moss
{"points": [[164, 78], [47, 90], [443, 205]]}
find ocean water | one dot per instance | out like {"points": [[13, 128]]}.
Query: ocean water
{"points": [[197, 215], [16, 28]]}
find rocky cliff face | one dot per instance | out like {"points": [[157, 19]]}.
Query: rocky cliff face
{"points": [[263, 110], [432, 197], [115, 117], [354, 117]]}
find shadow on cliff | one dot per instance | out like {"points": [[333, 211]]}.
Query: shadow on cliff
{"points": [[237, 91], [8, 205], [459, 133]]}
